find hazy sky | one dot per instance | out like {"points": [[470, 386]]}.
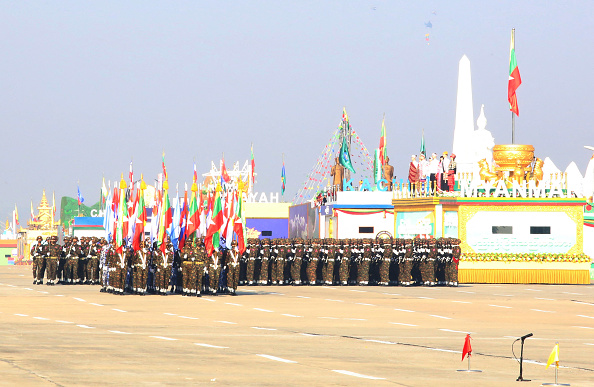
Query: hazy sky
{"points": [[88, 85]]}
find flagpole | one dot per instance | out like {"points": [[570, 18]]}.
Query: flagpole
{"points": [[513, 39]]}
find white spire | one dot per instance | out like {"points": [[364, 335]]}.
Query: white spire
{"points": [[464, 124]]}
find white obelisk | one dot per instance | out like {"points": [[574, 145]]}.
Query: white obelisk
{"points": [[464, 124]]}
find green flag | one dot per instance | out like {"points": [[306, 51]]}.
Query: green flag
{"points": [[345, 157], [377, 166], [423, 143]]}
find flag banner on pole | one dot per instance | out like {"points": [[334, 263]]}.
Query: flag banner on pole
{"points": [[81, 200], [467, 350], [345, 157], [554, 357], [422, 150], [514, 77], [283, 179], [382, 144]]}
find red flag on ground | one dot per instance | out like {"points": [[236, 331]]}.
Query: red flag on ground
{"points": [[467, 350]]}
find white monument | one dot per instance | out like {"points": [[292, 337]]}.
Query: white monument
{"points": [[464, 124], [482, 140]]}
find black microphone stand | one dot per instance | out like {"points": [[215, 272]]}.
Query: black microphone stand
{"points": [[520, 378]]}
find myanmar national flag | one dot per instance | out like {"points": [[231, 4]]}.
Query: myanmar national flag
{"points": [[253, 165], [140, 221], [239, 225], [165, 221], [382, 144], [122, 217], [514, 77]]}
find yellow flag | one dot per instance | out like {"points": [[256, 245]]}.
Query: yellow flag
{"points": [[554, 357]]}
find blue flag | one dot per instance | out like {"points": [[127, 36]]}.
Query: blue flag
{"points": [[81, 200]]}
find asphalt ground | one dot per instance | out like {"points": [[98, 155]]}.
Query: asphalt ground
{"points": [[292, 335]]}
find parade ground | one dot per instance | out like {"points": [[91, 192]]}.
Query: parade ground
{"points": [[292, 335]]}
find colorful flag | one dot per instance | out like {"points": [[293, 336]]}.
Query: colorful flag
{"points": [[422, 150], [183, 221], [345, 157], [53, 204], [514, 77], [164, 168], [554, 357], [140, 217], [224, 175], [467, 350], [81, 200], [213, 233], [16, 215], [122, 217], [193, 215], [382, 144], [253, 165], [131, 175], [239, 225], [33, 219], [165, 218], [283, 179], [377, 166]]}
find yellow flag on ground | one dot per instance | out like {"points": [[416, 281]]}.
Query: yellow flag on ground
{"points": [[554, 357]]}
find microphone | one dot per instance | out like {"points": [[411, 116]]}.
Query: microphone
{"points": [[526, 336]]}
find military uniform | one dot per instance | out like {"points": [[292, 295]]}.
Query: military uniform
{"points": [[233, 269], [93, 262], [83, 260], [331, 253], [253, 251], [384, 264], [163, 274], [363, 266], [187, 268], [298, 254], [54, 251], [312, 264], [406, 264], [141, 263], [452, 263], [345, 262], [199, 266], [214, 271], [38, 256], [73, 252], [264, 261]]}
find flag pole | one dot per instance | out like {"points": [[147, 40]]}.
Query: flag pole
{"points": [[513, 39]]}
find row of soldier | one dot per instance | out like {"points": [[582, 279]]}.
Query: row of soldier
{"points": [[192, 271], [386, 261]]}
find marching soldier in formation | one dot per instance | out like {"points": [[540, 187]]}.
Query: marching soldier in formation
{"points": [[312, 264], [298, 254], [141, 263], [53, 255], [344, 261], [199, 251], [264, 261], [384, 265], [38, 254], [214, 271], [363, 267], [72, 251], [233, 269], [188, 269], [253, 251]]}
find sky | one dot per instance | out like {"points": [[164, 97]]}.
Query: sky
{"points": [[88, 86]]}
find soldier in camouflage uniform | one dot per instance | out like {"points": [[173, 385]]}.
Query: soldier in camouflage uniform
{"points": [[331, 254], [298, 254], [273, 261], [214, 271], [281, 260], [386, 259], [233, 269], [73, 252], [344, 262], [38, 256], [83, 260], [440, 262], [397, 255], [312, 264], [141, 263], [53, 253], [404, 275], [363, 266], [253, 250], [199, 251], [164, 260], [454, 253], [187, 268], [265, 259]]}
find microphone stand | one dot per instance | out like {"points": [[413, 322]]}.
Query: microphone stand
{"points": [[520, 378]]}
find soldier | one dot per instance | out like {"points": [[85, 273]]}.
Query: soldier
{"points": [[363, 267], [265, 259], [93, 261], [253, 250], [37, 254], [298, 253], [345, 262], [73, 253], [199, 252], [280, 262], [440, 262], [404, 274], [233, 269], [214, 271], [53, 254], [431, 261], [330, 260], [83, 260], [187, 268], [104, 265], [274, 263], [454, 252], [386, 259], [312, 265], [141, 262]]}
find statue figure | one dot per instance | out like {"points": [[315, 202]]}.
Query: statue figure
{"points": [[482, 140], [485, 171], [538, 174], [388, 173], [337, 172], [518, 172]]}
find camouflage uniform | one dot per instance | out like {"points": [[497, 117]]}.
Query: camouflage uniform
{"points": [[198, 251], [331, 253], [265, 259], [53, 253], [253, 251], [83, 260], [298, 254], [187, 268], [233, 269], [281, 258], [363, 267], [141, 263], [163, 273], [312, 265], [345, 262], [454, 252], [73, 253], [274, 263], [214, 271], [38, 255], [404, 274], [93, 262], [384, 267]]}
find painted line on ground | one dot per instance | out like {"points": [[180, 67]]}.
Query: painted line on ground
{"points": [[226, 322], [170, 314], [41, 318], [438, 316], [290, 315], [544, 311], [426, 298], [444, 350], [42, 291], [407, 325], [379, 341], [364, 304], [328, 299], [302, 297], [64, 322], [583, 327], [264, 329], [581, 315], [210, 346], [263, 310], [500, 306], [533, 290], [462, 302], [350, 373], [230, 303], [358, 291], [588, 344], [465, 291], [79, 299], [546, 299], [189, 318], [163, 338], [121, 311], [504, 295], [92, 303], [453, 331], [391, 294], [207, 299], [575, 294], [27, 288], [22, 315], [270, 357], [405, 310], [121, 333], [84, 326]]}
